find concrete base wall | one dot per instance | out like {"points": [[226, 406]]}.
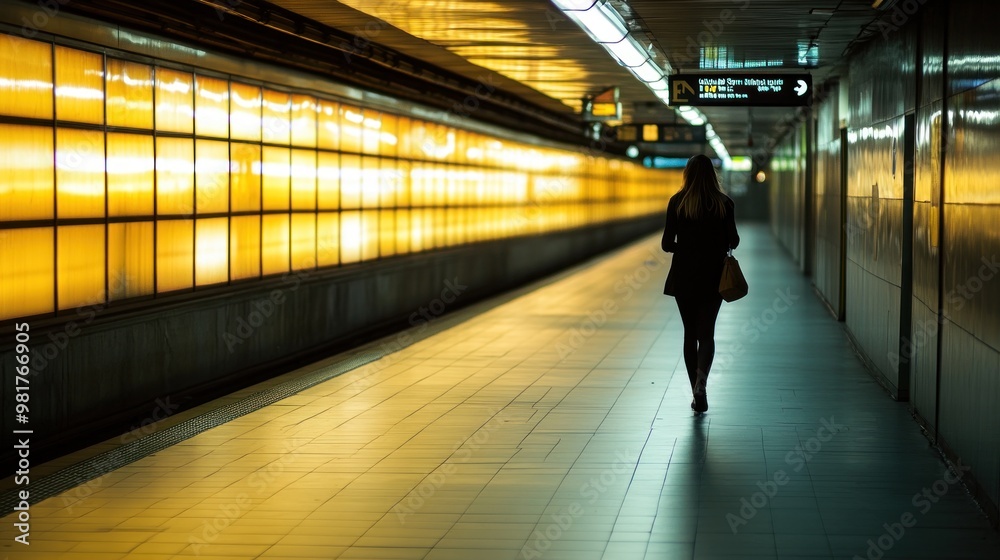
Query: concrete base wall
{"points": [[101, 372]]}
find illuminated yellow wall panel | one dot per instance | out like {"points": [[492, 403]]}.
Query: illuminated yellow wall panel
{"points": [[130, 174], [387, 233], [276, 180], [174, 255], [79, 173], [303, 241], [369, 235], [245, 112], [303, 173], [370, 182], [129, 94], [277, 117], [417, 228], [328, 133], [174, 101], [404, 144], [304, 121], [328, 181], [25, 89], [390, 184], [274, 243], [174, 176], [371, 130], [211, 106], [27, 272], [350, 237], [328, 239], [79, 268], [351, 119], [246, 177], [26, 181], [350, 181], [211, 251], [387, 138], [401, 173], [130, 260], [244, 247], [402, 232], [211, 176], [79, 86]]}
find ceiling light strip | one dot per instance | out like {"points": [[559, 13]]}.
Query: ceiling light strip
{"points": [[600, 20]]}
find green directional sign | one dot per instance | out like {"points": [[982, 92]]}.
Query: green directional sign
{"points": [[741, 90]]}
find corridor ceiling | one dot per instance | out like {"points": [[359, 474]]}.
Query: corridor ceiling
{"points": [[529, 48]]}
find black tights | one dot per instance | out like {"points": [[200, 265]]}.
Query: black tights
{"points": [[698, 316]]}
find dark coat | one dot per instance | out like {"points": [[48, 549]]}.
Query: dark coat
{"points": [[699, 248]]}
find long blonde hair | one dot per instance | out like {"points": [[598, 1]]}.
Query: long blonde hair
{"points": [[702, 192]]}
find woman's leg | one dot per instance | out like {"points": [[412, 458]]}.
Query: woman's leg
{"points": [[688, 309], [708, 312]]}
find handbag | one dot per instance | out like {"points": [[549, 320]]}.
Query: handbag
{"points": [[733, 285]]}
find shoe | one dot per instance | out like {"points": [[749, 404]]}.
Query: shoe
{"points": [[700, 403]]}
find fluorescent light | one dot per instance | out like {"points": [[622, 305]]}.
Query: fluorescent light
{"points": [[628, 51], [648, 72], [602, 26], [686, 109], [574, 4], [658, 85]]}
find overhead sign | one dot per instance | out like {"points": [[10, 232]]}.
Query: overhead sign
{"points": [[604, 106], [661, 133], [741, 90]]}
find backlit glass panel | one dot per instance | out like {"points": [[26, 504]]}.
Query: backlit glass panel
{"points": [[26, 181], [130, 174], [27, 272], [304, 121], [174, 101], [130, 260], [369, 235], [277, 117], [246, 177], [25, 89], [211, 251], [387, 233], [328, 239], [350, 181], [303, 241], [174, 255], [129, 94], [174, 176], [211, 176], [274, 243], [351, 119], [245, 111], [303, 173], [275, 171], [328, 181], [350, 237], [211, 107], [79, 86], [328, 133], [80, 269], [244, 247], [79, 173]]}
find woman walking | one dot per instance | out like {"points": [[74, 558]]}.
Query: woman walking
{"points": [[700, 230]]}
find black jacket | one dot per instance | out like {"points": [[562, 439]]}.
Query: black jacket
{"points": [[699, 248]]}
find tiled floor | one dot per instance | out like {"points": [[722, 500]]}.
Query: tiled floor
{"points": [[555, 425]]}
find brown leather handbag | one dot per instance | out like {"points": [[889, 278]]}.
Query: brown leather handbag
{"points": [[733, 285]]}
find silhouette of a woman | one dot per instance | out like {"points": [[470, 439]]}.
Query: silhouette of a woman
{"points": [[700, 230]]}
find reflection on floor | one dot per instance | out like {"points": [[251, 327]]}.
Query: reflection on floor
{"points": [[555, 425]]}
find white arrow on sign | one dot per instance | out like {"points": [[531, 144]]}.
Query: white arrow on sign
{"points": [[802, 88]]}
